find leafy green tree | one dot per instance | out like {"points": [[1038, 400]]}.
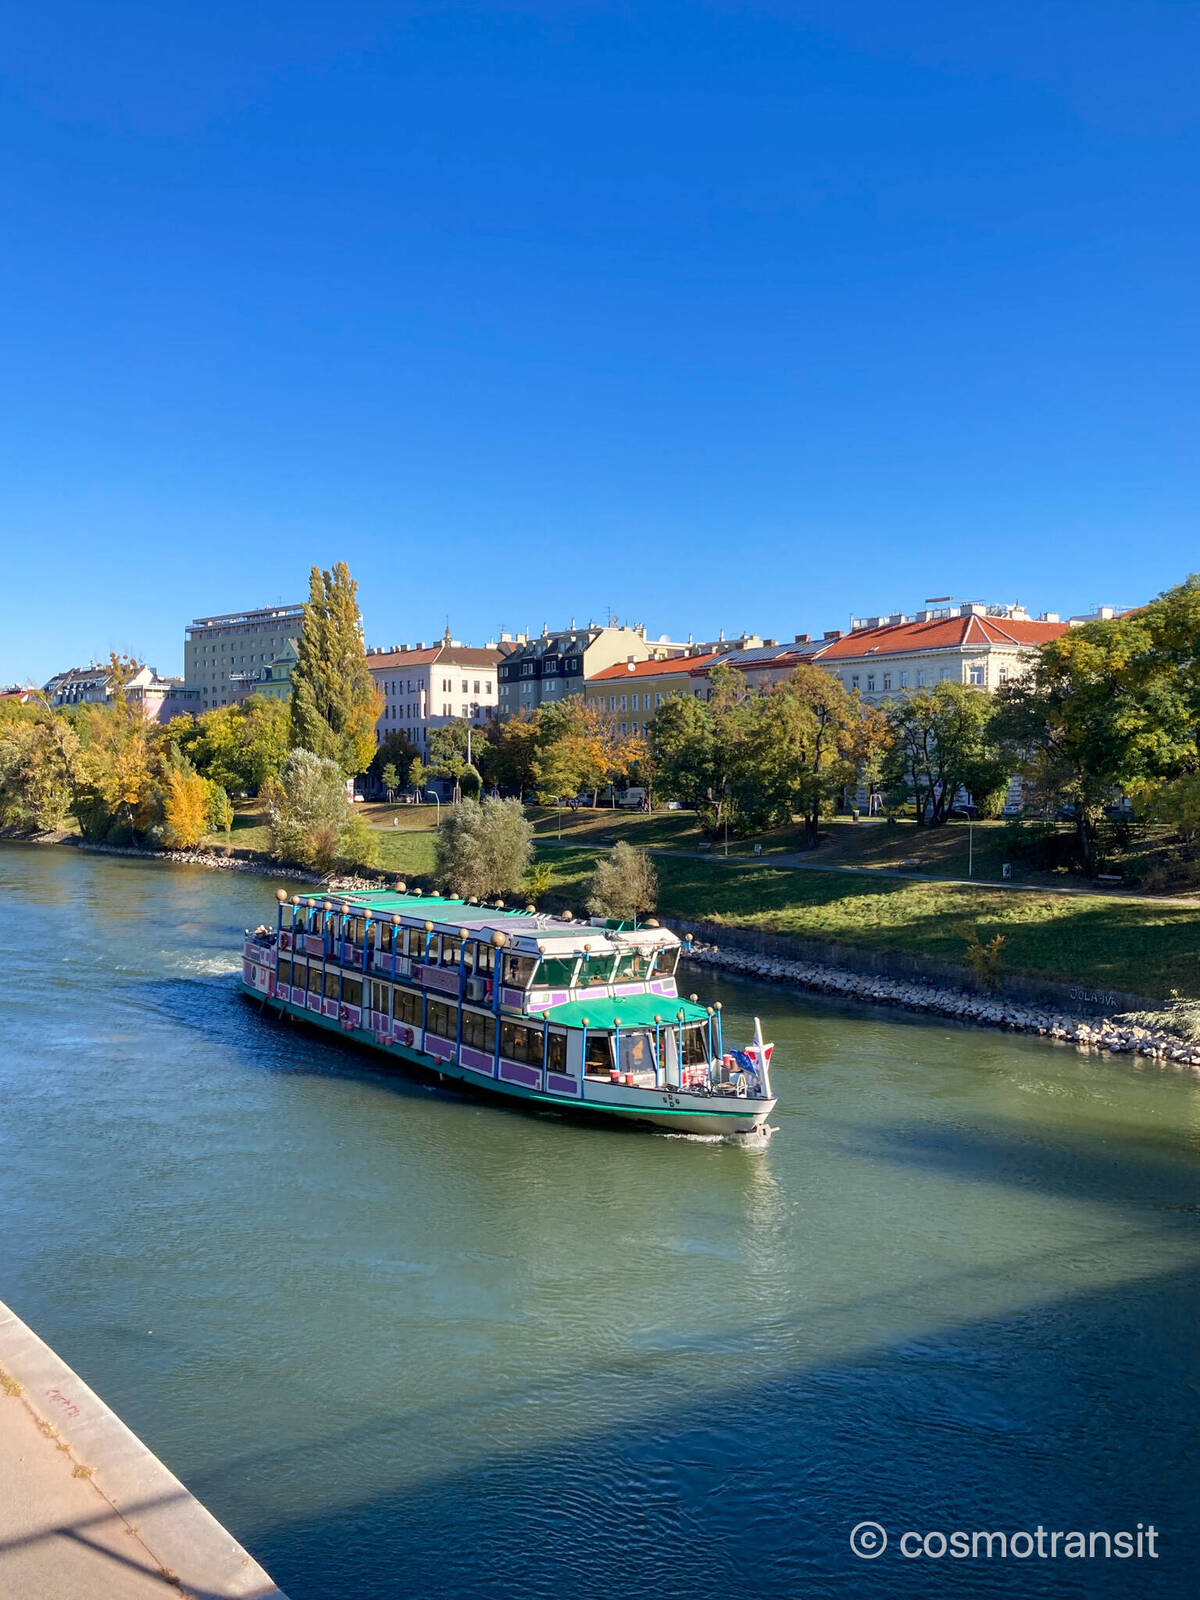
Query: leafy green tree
{"points": [[484, 848], [390, 779], [942, 741], [238, 747], [624, 885], [358, 845], [220, 809], [508, 751], [307, 810], [35, 788], [335, 704], [396, 751]]}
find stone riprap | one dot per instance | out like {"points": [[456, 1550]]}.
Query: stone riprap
{"points": [[1115, 1034]]}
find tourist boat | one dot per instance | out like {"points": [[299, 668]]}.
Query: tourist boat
{"points": [[581, 1017]]}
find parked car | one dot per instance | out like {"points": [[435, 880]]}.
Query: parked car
{"points": [[1013, 809], [968, 812]]}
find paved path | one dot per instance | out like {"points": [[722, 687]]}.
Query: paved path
{"points": [[86, 1511]]}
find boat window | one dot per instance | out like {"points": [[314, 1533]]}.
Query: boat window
{"points": [[383, 936], [450, 950], [352, 991], [631, 964], [354, 929], [300, 922], [665, 961], [518, 970], [637, 1050], [284, 972], [596, 969], [695, 1044], [380, 999], [479, 1030], [557, 1059], [519, 1043], [598, 1060], [406, 1007], [331, 983], [441, 1019], [485, 958], [314, 980], [555, 972]]}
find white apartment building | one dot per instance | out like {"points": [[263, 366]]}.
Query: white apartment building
{"points": [[425, 687], [225, 657]]}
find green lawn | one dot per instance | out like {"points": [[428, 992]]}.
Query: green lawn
{"points": [[1097, 940], [1101, 941]]}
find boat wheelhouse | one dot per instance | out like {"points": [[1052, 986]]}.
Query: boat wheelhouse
{"points": [[582, 1017]]}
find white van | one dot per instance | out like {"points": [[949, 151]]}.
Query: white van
{"points": [[633, 799]]}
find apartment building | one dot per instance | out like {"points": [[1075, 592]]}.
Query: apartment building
{"points": [[425, 687], [978, 645], [157, 699], [631, 691], [548, 668], [225, 658]]}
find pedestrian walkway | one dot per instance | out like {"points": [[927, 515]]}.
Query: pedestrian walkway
{"points": [[86, 1511]]}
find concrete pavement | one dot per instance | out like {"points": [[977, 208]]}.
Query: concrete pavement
{"points": [[87, 1512]]}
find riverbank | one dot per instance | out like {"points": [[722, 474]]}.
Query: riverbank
{"points": [[86, 1508], [693, 887], [1115, 1034]]}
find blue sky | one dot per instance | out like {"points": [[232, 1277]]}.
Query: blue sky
{"points": [[717, 315]]}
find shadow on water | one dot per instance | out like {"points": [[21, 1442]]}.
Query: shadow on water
{"points": [[756, 1489], [1072, 1410]]}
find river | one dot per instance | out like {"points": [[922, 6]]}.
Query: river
{"points": [[403, 1342]]}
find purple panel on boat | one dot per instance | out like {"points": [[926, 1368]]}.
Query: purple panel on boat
{"points": [[351, 1016], [514, 1072], [380, 1022], [314, 1002], [512, 997], [477, 1060], [435, 1046], [557, 1084], [247, 971], [434, 978], [282, 991], [331, 1008], [314, 944]]}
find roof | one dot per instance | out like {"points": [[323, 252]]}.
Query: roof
{"points": [[450, 655], [448, 914], [943, 634], [652, 669], [630, 1011]]}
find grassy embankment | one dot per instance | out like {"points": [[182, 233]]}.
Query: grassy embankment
{"points": [[1102, 941]]}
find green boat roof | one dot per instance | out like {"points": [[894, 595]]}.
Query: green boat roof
{"points": [[630, 1011], [448, 910]]}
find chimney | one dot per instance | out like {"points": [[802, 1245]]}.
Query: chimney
{"points": [[802, 638], [833, 633]]}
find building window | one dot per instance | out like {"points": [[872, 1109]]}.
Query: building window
{"points": [[975, 674], [854, 681], [887, 682], [870, 683], [904, 680], [921, 678], [1003, 674]]}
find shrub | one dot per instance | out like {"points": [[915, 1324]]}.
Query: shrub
{"points": [[624, 884], [307, 810], [358, 845], [483, 848]]}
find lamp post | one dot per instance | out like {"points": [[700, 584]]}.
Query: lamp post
{"points": [[970, 846]]}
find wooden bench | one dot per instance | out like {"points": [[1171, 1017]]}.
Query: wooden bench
{"points": [[1110, 880]]}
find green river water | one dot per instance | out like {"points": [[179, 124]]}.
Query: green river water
{"points": [[403, 1342]]}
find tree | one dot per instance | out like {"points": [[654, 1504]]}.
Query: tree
{"points": [[696, 748], [238, 746], [307, 810], [483, 849], [796, 750], [418, 775], [572, 752], [396, 751], [1111, 707], [185, 807], [220, 811], [335, 704], [624, 885], [508, 752], [35, 788], [390, 779], [942, 742]]}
